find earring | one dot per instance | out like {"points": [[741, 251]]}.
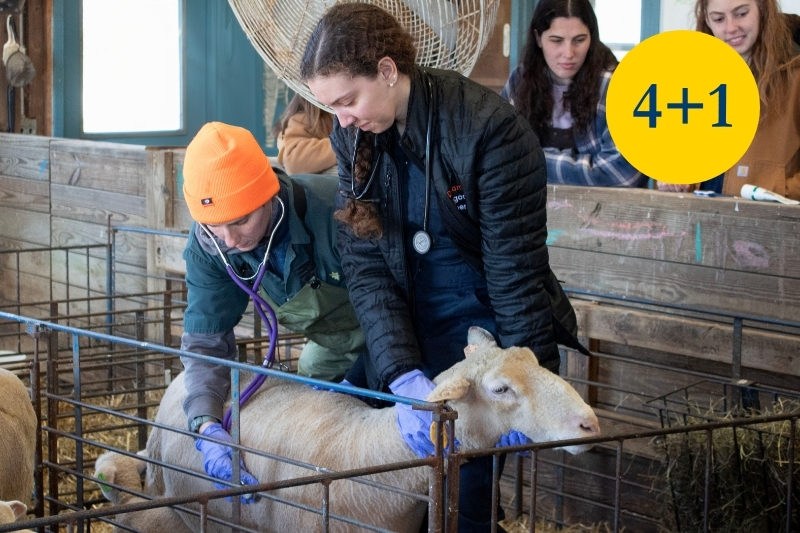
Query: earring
{"points": [[393, 82]]}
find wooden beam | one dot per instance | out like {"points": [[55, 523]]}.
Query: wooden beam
{"points": [[169, 253], [111, 167], [763, 350], [95, 206], [32, 227], [28, 194], [702, 287], [734, 235], [159, 216]]}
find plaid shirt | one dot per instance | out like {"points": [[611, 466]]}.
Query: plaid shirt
{"points": [[597, 162]]}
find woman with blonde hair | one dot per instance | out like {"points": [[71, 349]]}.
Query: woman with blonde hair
{"points": [[758, 31]]}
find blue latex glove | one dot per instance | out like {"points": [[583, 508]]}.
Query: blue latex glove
{"points": [[343, 382], [217, 460], [514, 438], [415, 426]]}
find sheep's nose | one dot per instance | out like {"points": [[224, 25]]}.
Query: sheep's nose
{"points": [[590, 426]]}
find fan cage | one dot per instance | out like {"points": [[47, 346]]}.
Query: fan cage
{"points": [[447, 35]]}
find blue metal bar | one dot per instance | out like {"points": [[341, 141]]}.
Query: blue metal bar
{"points": [[76, 373], [134, 229], [236, 511], [420, 404]]}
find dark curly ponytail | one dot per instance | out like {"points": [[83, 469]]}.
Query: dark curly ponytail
{"points": [[360, 216]]}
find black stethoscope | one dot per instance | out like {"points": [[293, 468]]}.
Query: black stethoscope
{"points": [[422, 240]]}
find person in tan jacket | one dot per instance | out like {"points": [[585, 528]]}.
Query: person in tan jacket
{"points": [[303, 143], [759, 32]]}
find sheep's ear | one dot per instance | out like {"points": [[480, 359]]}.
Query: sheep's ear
{"points": [[452, 388], [18, 508], [107, 474], [480, 337]]}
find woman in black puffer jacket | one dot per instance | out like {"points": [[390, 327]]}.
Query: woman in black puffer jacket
{"points": [[420, 273]]}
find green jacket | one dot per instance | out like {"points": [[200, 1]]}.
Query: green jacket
{"points": [[309, 298]]}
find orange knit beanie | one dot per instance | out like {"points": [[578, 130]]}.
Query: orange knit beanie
{"points": [[226, 174]]}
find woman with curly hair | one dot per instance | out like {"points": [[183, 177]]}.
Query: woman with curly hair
{"points": [[560, 87], [442, 210], [759, 32]]}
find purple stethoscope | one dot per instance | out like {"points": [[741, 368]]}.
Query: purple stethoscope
{"points": [[263, 309]]}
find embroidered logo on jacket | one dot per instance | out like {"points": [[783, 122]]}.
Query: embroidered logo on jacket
{"points": [[455, 193]]}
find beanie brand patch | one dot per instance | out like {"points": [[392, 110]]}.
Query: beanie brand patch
{"points": [[207, 202]]}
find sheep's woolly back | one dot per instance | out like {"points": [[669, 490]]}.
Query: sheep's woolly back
{"points": [[17, 440]]}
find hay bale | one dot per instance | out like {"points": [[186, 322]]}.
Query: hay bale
{"points": [[749, 472]]}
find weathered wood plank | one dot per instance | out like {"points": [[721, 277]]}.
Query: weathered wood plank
{"points": [[683, 363], [169, 253], [181, 219], [28, 194], [160, 187], [718, 236], [27, 226], [676, 283], [131, 247], [79, 203], [33, 288], [648, 198], [112, 167], [764, 350], [25, 156]]}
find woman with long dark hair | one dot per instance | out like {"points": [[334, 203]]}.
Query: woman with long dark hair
{"points": [[442, 196], [560, 87]]}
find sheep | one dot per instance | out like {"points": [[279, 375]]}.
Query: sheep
{"points": [[493, 390], [12, 511], [17, 439], [127, 472]]}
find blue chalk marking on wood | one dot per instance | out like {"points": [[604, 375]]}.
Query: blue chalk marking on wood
{"points": [[698, 246], [552, 236]]}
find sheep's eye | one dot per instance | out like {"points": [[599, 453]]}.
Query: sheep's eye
{"points": [[500, 389]]}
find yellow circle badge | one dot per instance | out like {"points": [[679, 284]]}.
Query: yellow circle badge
{"points": [[682, 107]]}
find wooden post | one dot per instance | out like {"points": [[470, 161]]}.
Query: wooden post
{"points": [[159, 193]]}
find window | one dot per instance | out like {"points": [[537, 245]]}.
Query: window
{"points": [[620, 23], [132, 80]]}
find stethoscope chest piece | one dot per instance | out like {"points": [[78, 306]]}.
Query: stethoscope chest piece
{"points": [[422, 242]]}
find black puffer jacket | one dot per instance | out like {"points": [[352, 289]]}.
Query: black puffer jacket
{"points": [[484, 150]]}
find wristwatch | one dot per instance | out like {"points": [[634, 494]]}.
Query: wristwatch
{"points": [[196, 422]]}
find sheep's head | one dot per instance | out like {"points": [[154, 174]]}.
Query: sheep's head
{"points": [[11, 511], [121, 470], [495, 390]]}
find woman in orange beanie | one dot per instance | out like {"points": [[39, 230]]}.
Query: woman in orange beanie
{"points": [[253, 223]]}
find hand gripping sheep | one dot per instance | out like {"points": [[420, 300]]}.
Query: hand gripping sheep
{"points": [[493, 390]]}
